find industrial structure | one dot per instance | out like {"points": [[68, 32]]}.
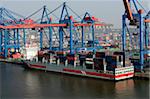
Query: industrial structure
{"points": [[139, 21], [66, 24], [73, 34]]}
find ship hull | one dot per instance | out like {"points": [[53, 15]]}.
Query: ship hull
{"points": [[118, 74]]}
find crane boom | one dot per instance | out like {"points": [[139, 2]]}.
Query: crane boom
{"points": [[128, 9], [45, 25]]}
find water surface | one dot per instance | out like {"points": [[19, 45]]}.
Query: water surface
{"points": [[18, 83]]}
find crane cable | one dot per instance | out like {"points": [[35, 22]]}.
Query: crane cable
{"points": [[74, 12], [141, 6], [49, 13]]}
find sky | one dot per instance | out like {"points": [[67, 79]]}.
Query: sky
{"points": [[110, 11]]}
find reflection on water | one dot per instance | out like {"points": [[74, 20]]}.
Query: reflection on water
{"points": [[19, 83], [124, 85]]}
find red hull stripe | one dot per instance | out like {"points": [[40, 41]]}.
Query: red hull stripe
{"points": [[98, 74], [71, 70], [122, 75], [37, 66], [88, 73]]}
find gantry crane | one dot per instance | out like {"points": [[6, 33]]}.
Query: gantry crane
{"points": [[65, 21], [9, 38], [138, 19]]}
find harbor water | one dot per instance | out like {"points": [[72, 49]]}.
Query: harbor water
{"points": [[18, 83]]}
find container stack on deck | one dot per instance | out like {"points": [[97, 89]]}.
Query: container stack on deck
{"points": [[61, 55], [99, 60], [72, 58]]}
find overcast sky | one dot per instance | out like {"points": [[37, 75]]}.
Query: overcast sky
{"points": [[109, 11]]}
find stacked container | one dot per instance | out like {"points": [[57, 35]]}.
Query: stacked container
{"points": [[136, 64], [89, 62], [111, 62], [61, 55], [120, 59], [71, 59], [99, 61], [40, 56], [82, 58]]}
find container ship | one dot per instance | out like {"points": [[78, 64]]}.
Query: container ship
{"points": [[99, 64]]}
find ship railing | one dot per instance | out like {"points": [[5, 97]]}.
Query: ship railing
{"points": [[107, 72]]}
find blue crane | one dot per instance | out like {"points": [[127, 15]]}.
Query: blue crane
{"points": [[136, 19]]}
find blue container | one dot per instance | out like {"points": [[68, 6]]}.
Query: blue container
{"points": [[55, 48], [109, 68], [110, 59], [62, 59], [71, 62]]}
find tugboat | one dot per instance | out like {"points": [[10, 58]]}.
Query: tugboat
{"points": [[99, 64]]}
